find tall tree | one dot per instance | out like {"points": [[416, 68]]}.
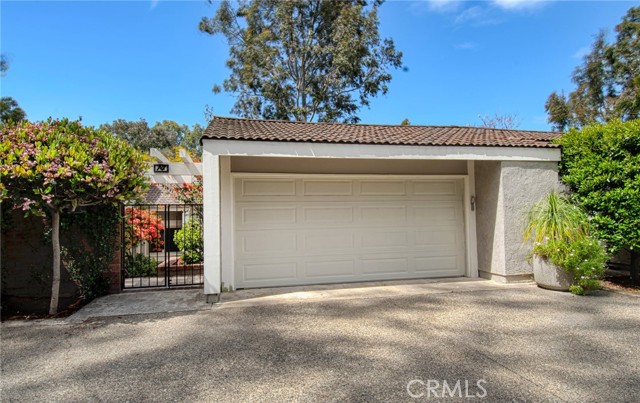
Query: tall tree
{"points": [[57, 166], [304, 60], [607, 82], [10, 111]]}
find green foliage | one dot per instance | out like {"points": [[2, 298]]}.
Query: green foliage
{"points": [[607, 82], [560, 231], [166, 135], [601, 165], [88, 263], [303, 60], [190, 241], [555, 219], [584, 258], [61, 165], [4, 65], [138, 265], [10, 111]]}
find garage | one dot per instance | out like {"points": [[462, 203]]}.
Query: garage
{"points": [[297, 203], [315, 229]]}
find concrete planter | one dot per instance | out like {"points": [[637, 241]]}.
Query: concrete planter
{"points": [[550, 276]]}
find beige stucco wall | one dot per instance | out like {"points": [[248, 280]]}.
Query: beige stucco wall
{"points": [[504, 192], [347, 166]]}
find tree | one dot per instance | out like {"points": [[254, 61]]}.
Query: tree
{"points": [[405, 122], [191, 141], [601, 165], [166, 135], [10, 111], [4, 65], [303, 60], [137, 134], [59, 165], [607, 82], [509, 121]]}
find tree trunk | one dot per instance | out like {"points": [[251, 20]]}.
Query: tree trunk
{"points": [[634, 269], [55, 241]]}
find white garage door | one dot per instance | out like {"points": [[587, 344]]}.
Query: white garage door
{"points": [[311, 229]]}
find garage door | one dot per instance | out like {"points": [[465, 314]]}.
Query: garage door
{"points": [[311, 229]]}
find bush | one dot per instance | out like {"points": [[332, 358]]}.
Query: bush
{"points": [[601, 165], [189, 240], [140, 265], [584, 258]]}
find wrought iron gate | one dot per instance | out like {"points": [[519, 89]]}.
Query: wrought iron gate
{"points": [[162, 245]]}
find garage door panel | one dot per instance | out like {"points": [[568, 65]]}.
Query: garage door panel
{"points": [[266, 187], [328, 215], [322, 270], [436, 188], [435, 214], [267, 216], [383, 188], [268, 242], [327, 187], [376, 215], [385, 239], [328, 241], [438, 236], [277, 271], [385, 265], [428, 264], [325, 229]]}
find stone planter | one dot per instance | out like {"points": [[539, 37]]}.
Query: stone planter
{"points": [[549, 276]]}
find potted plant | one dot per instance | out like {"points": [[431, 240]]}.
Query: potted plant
{"points": [[565, 256]]}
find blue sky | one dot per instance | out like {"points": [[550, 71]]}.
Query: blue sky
{"points": [[147, 59]]}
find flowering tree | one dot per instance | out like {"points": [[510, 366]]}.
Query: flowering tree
{"points": [[187, 193], [59, 165], [143, 225]]}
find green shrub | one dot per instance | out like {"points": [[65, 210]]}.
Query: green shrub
{"points": [[190, 241], [584, 258], [139, 265], [601, 165]]}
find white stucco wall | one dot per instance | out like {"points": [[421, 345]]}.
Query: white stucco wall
{"points": [[505, 191]]}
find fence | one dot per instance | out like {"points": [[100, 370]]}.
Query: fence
{"points": [[162, 245]]}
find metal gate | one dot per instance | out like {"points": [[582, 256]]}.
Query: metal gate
{"points": [[162, 245]]}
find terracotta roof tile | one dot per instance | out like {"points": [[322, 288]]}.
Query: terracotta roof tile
{"points": [[158, 194], [225, 128]]}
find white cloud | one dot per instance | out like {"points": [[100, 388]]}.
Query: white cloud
{"points": [[518, 4], [466, 45], [476, 16], [444, 6]]}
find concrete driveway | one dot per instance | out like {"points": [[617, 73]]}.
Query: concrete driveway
{"points": [[503, 343]]}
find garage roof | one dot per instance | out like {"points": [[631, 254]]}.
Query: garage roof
{"points": [[225, 128]]}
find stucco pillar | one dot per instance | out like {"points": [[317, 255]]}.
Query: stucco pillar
{"points": [[212, 241], [505, 191]]}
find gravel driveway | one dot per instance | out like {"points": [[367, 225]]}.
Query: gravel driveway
{"points": [[512, 344]]}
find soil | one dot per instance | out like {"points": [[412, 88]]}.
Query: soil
{"points": [[619, 280], [71, 309]]}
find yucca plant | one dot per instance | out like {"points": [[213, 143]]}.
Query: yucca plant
{"points": [[560, 231], [555, 219]]}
